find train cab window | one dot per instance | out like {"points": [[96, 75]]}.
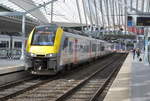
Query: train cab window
{"points": [[17, 44], [4, 44], [44, 35], [94, 48]]}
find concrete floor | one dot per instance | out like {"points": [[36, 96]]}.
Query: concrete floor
{"points": [[9, 65], [132, 82], [140, 83], [120, 89]]}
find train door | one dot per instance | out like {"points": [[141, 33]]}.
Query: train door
{"points": [[75, 51], [4, 46], [64, 51]]}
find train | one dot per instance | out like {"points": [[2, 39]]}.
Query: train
{"points": [[10, 46], [51, 49]]}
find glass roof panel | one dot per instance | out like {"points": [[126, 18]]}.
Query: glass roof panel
{"points": [[109, 12], [13, 7], [63, 10]]}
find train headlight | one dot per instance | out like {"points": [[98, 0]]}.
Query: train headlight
{"points": [[30, 55], [33, 55], [51, 55]]}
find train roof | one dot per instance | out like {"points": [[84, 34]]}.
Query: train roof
{"points": [[11, 34], [72, 31]]}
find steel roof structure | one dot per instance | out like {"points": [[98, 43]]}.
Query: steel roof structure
{"points": [[106, 14], [90, 12]]}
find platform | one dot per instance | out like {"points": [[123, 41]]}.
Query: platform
{"points": [[132, 82], [9, 65]]}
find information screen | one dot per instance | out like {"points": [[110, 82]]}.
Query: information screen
{"points": [[129, 18], [143, 21]]}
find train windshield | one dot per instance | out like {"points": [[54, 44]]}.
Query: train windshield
{"points": [[44, 36]]}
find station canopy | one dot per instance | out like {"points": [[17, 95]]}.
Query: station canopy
{"points": [[92, 12]]}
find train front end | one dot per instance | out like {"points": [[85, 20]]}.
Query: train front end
{"points": [[42, 50]]}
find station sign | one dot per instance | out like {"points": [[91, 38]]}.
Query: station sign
{"points": [[137, 23]]}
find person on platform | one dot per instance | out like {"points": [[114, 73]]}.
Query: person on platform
{"points": [[138, 52], [134, 52]]}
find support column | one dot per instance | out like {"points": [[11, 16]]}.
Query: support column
{"points": [[126, 16], [91, 21], [79, 13], [101, 11], [97, 22], [52, 12], [23, 37], [85, 13], [137, 1], [131, 5]]}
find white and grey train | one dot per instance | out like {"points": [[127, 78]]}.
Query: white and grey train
{"points": [[10, 46], [50, 48]]}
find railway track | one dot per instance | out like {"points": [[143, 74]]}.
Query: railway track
{"points": [[15, 88], [51, 89], [28, 83], [12, 77], [90, 88]]}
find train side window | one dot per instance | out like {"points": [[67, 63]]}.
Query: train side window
{"points": [[70, 47], [4, 44], [65, 43], [102, 47], [86, 48], [17, 44], [94, 48], [99, 47], [148, 38]]}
